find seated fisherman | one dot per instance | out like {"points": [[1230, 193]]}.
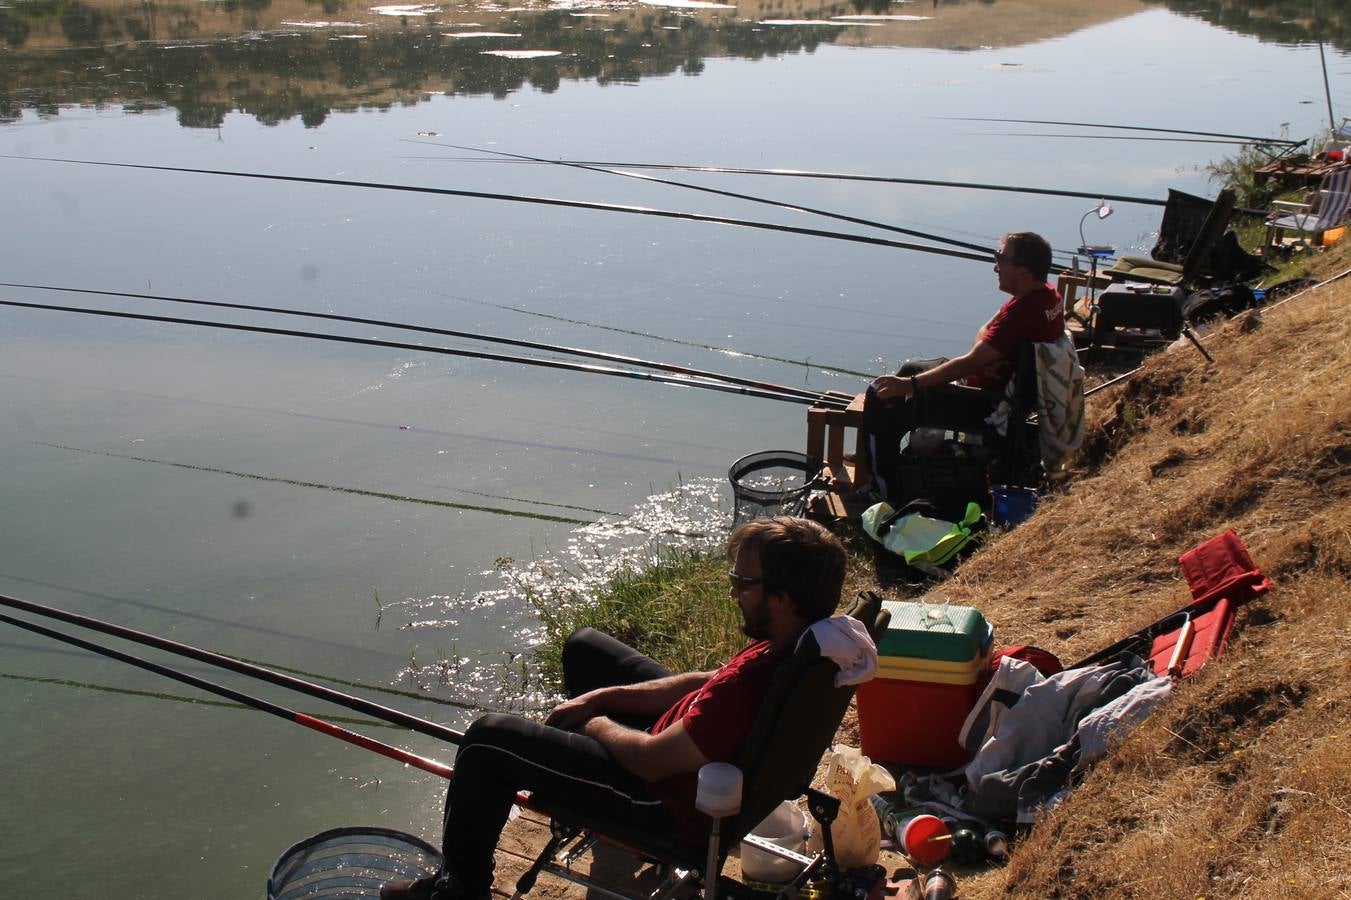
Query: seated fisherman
{"points": [[629, 743], [959, 394]]}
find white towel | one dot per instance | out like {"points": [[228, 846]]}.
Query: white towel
{"points": [[846, 642]]}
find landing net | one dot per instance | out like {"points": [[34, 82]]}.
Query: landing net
{"points": [[349, 864]]}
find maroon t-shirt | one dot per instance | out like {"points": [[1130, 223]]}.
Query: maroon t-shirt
{"points": [[718, 718], [1035, 317]]}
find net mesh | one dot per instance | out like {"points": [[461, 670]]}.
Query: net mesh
{"points": [[349, 863], [772, 483]]}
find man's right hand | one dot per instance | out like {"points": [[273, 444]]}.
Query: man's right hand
{"points": [[571, 715]]}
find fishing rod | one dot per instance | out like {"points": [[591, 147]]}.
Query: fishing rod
{"points": [[1107, 137], [1220, 134], [367, 707], [544, 201], [652, 179], [678, 381], [878, 179], [445, 332], [299, 718]]}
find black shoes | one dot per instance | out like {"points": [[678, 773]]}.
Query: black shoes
{"points": [[421, 889], [431, 887]]}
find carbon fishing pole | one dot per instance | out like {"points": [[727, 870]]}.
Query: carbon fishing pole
{"points": [[878, 179], [367, 707], [1107, 137], [545, 201], [652, 179], [678, 381], [444, 332], [299, 718], [1218, 134]]}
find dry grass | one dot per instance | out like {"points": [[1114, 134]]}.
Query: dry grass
{"points": [[1241, 785]]}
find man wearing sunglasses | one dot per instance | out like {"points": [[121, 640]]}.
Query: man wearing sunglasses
{"points": [[628, 744]]}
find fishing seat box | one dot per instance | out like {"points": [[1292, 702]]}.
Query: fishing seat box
{"points": [[1145, 306], [930, 665]]}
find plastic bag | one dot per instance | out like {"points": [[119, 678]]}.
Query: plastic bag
{"points": [[852, 779], [922, 541]]}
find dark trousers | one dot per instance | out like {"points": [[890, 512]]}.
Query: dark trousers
{"points": [[503, 754], [951, 407]]}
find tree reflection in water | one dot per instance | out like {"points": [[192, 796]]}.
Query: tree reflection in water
{"points": [[271, 58]]}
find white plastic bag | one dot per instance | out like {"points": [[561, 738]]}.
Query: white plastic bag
{"points": [[852, 779]]}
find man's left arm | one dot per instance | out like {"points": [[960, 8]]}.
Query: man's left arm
{"points": [[980, 356], [652, 757]]}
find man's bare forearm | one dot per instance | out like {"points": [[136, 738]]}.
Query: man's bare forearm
{"points": [[649, 697], [646, 698], [650, 757]]}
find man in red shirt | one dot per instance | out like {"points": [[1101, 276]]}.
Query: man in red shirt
{"points": [[629, 743], [959, 394]]}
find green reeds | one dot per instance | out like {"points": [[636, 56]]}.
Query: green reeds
{"points": [[676, 609]]}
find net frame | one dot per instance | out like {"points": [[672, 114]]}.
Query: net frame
{"points": [[753, 501], [349, 863]]}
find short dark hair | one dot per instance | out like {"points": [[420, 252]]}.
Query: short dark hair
{"points": [[797, 556], [1029, 250]]}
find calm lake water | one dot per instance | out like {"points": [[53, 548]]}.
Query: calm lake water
{"points": [[205, 485]]}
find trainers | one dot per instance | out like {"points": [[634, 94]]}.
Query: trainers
{"points": [[421, 889], [430, 887]]}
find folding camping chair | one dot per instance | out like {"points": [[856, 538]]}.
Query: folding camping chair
{"points": [[1153, 270], [793, 729], [1309, 224]]}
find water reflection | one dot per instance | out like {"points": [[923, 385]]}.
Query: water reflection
{"points": [[286, 59]]}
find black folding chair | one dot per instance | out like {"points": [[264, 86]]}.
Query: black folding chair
{"points": [[792, 731]]}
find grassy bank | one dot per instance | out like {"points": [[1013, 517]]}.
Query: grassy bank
{"points": [[1241, 784]]}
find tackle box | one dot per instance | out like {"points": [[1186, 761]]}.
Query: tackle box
{"points": [[930, 666]]}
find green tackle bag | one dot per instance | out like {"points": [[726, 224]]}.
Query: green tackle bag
{"points": [[924, 542]]}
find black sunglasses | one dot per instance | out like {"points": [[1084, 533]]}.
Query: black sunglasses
{"points": [[743, 582]]}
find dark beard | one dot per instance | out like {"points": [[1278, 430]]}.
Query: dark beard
{"points": [[756, 627]]}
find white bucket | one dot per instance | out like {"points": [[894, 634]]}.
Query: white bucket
{"points": [[785, 826]]}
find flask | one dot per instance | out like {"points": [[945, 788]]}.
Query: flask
{"points": [[920, 836], [939, 885], [887, 817], [997, 845]]}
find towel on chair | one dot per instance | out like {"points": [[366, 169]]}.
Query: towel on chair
{"points": [[845, 641]]}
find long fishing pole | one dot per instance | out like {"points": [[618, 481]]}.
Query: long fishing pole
{"points": [[1108, 137], [375, 710], [1220, 134], [678, 381], [652, 179], [445, 332], [877, 179], [299, 718], [545, 201], [1323, 61]]}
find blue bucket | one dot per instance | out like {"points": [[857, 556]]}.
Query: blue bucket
{"points": [[1012, 505]]}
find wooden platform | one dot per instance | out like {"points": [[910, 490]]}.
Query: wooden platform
{"points": [[827, 436], [1296, 173]]}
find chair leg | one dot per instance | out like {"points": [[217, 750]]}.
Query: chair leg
{"points": [[526, 883]]}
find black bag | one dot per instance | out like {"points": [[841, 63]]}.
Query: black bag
{"points": [[1221, 300]]}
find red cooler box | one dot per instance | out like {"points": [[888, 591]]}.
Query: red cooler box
{"points": [[929, 667]]}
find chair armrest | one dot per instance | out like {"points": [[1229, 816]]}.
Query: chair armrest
{"points": [[1288, 206]]}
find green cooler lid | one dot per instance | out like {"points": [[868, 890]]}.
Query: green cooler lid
{"points": [[934, 631]]}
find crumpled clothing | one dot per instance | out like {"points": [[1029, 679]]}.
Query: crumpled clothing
{"points": [[1040, 736]]}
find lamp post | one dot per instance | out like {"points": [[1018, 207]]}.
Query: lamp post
{"points": [[1094, 252]]}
